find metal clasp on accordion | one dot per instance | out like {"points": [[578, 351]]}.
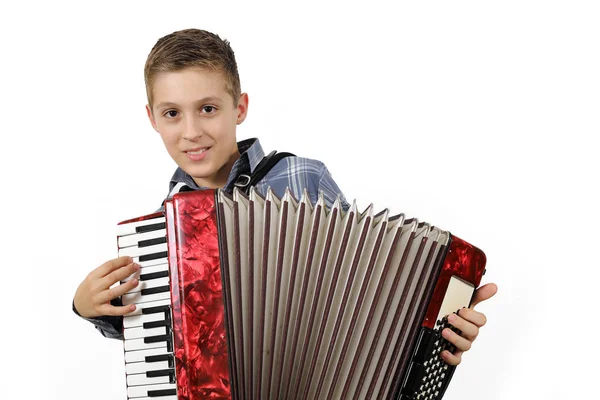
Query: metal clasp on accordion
{"points": [[240, 183]]}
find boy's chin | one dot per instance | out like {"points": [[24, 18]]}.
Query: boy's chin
{"points": [[199, 173], [197, 170]]}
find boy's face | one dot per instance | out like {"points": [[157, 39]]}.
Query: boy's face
{"points": [[196, 118]]}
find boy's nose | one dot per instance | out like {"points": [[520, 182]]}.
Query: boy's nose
{"points": [[191, 130]]}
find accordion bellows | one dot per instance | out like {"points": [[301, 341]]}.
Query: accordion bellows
{"points": [[284, 299]]}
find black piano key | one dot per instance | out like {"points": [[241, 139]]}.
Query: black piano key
{"points": [[163, 372], [156, 339], [154, 290], [156, 324], [158, 358], [153, 256], [161, 357], [150, 228], [160, 372], [154, 275], [152, 242], [154, 310], [160, 393]]}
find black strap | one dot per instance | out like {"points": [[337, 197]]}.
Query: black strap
{"points": [[245, 182]]}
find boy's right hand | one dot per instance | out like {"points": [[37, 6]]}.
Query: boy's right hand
{"points": [[93, 296]]}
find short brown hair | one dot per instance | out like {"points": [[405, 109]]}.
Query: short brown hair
{"points": [[192, 48]]}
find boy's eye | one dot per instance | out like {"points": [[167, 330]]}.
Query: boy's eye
{"points": [[171, 114], [208, 109]]}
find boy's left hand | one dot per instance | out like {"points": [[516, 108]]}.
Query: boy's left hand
{"points": [[468, 321]]}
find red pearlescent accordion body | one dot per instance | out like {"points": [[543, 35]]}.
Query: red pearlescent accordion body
{"points": [[267, 297]]}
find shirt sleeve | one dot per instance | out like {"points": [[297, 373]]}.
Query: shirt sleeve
{"points": [[109, 326], [330, 189]]}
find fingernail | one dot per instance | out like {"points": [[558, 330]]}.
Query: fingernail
{"points": [[451, 318], [137, 266], [135, 282]]}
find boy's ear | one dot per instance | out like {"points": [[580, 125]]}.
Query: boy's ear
{"points": [[242, 108], [151, 117]]}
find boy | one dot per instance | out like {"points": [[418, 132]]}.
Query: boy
{"points": [[195, 103]]}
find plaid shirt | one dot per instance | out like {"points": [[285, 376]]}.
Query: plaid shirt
{"points": [[295, 173]]}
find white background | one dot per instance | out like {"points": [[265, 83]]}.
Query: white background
{"points": [[480, 117]]}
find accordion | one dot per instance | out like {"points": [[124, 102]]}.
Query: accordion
{"points": [[266, 297]]}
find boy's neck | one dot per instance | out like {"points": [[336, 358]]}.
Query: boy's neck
{"points": [[220, 178]]}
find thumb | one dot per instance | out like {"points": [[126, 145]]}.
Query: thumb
{"points": [[483, 293]]}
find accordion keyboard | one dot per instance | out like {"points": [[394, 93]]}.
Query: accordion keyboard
{"points": [[148, 344]]}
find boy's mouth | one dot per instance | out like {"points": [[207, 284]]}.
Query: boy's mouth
{"points": [[197, 151], [196, 154]]}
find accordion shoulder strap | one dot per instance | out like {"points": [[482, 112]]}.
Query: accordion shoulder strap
{"points": [[245, 182]]}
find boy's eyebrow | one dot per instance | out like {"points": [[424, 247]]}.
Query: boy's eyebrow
{"points": [[204, 100]]}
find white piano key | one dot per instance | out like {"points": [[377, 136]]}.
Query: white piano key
{"points": [[138, 344], [150, 268], [149, 284], [137, 298], [149, 304], [139, 332], [135, 251], [157, 398], [152, 283], [133, 240], [142, 391], [130, 277], [138, 368], [129, 229], [147, 270], [142, 379], [139, 320], [140, 355], [148, 263]]}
